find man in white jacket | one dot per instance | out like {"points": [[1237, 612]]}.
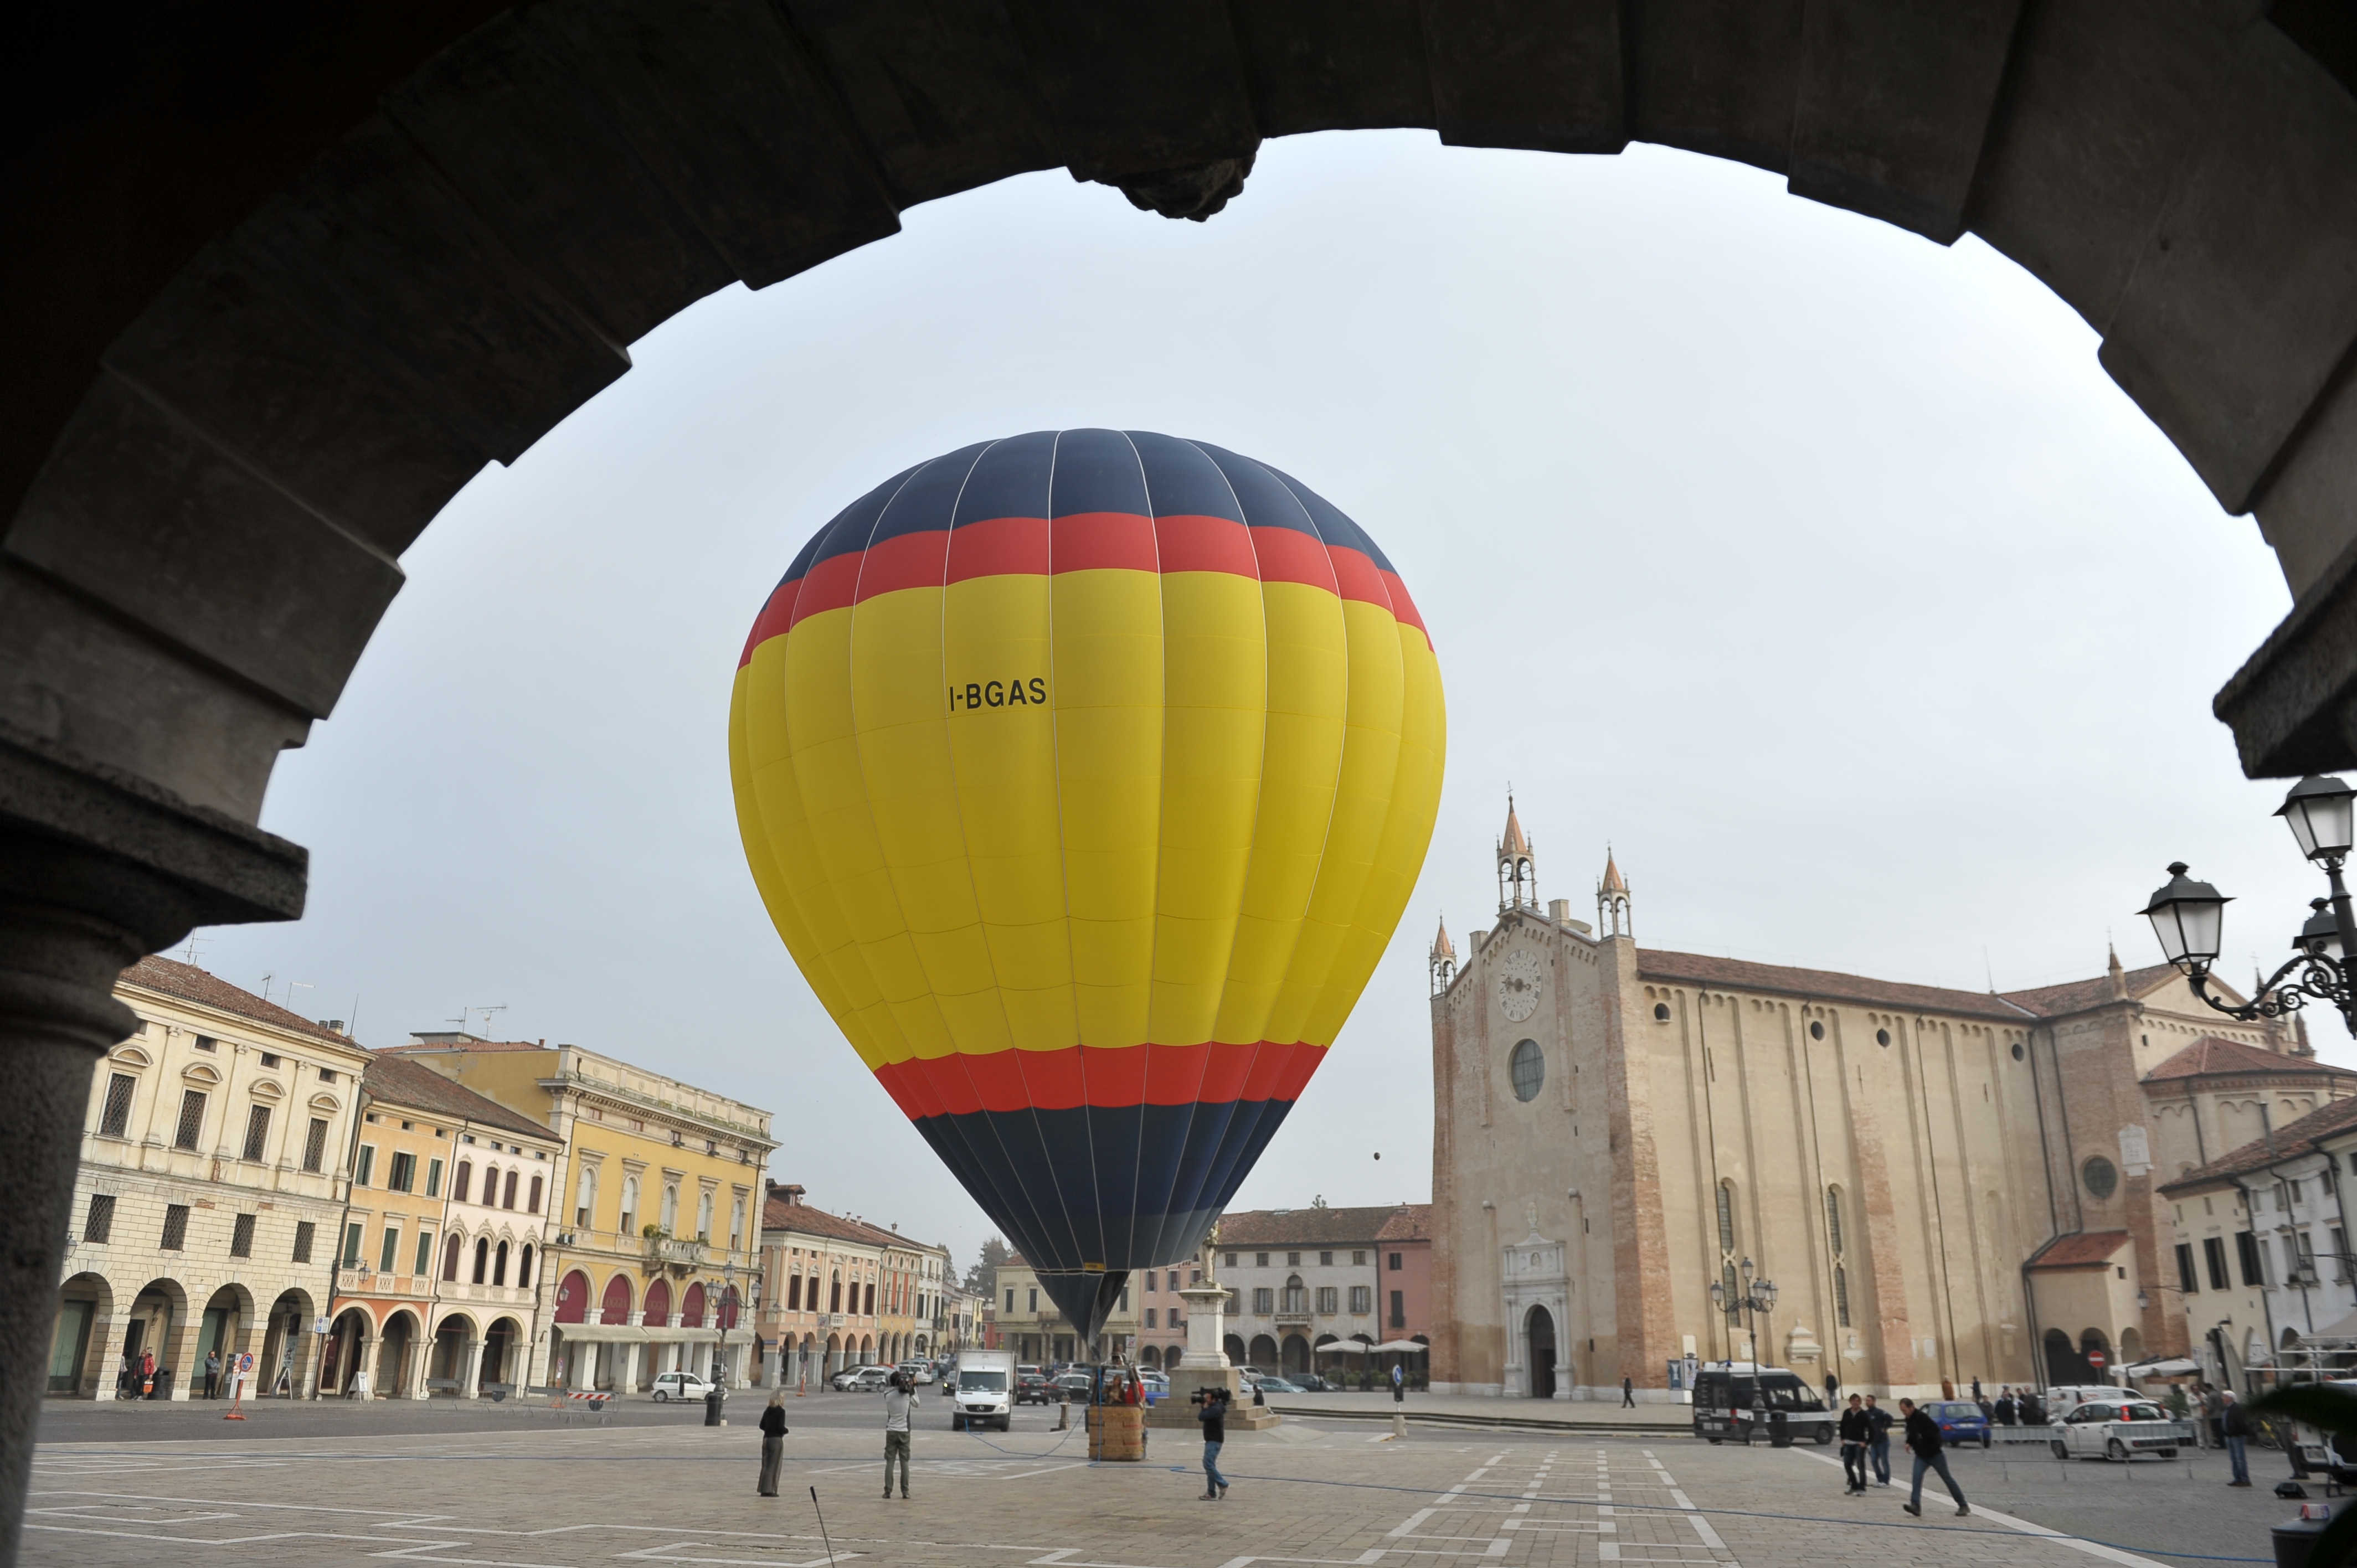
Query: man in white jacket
{"points": [[900, 1404]]}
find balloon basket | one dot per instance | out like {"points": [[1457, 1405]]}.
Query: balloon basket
{"points": [[1118, 1433]]}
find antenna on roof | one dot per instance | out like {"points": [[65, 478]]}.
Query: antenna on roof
{"points": [[190, 956], [265, 985], [1988, 969], [292, 987], [487, 1012]]}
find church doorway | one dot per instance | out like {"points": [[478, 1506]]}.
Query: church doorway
{"points": [[1542, 1353]]}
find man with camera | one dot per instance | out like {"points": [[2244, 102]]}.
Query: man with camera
{"points": [[1211, 1410]]}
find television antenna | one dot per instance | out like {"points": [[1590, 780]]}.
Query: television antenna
{"points": [[467, 1013], [190, 957]]}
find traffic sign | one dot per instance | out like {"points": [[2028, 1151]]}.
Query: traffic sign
{"points": [[2095, 1358]]}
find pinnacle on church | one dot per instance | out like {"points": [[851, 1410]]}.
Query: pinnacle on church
{"points": [[1441, 946], [1612, 882], [1514, 840]]}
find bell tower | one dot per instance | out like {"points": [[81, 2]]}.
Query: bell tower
{"points": [[1518, 882], [1613, 913], [1442, 960]]}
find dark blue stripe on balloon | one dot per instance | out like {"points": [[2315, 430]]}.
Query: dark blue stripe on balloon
{"points": [[1267, 500], [1096, 471], [1008, 480], [926, 500], [1181, 480]]}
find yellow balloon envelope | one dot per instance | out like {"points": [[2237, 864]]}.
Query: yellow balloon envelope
{"points": [[1085, 774]]}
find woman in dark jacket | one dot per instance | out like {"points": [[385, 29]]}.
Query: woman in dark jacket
{"points": [[773, 1442]]}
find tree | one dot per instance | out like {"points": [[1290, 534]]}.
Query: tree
{"points": [[979, 1278]]}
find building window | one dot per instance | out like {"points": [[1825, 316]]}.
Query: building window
{"points": [[1328, 1299], [2339, 1254], [2246, 1249], [2101, 1176], [100, 1226], [703, 1214], [1362, 1300], [500, 1265], [192, 1119], [1841, 1295], [1297, 1298], [1149, 1317], [1395, 1261], [585, 1198], [1149, 1282], [1359, 1259], [451, 1248], [2213, 1254], [352, 1245], [207, 1042], [534, 1207], [1293, 1259], [389, 1252], [462, 1181], [2186, 1281], [270, 1058], [304, 1232], [1833, 1222], [402, 1175], [1263, 1301], [629, 1204], [1526, 1066], [1399, 1309], [434, 1178], [1259, 1260], [367, 1166], [315, 1144], [240, 1237], [794, 1295], [1010, 1304], [524, 1266], [115, 1120], [424, 1263], [834, 1296], [1231, 1259], [871, 1300], [327, 1075], [507, 1198], [482, 1259], [176, 1228], [671, 1207], [1035, 1303]]}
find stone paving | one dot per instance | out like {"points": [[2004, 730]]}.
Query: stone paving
{"points": [[1307, 1492]]}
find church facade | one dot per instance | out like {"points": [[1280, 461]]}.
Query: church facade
{"points": [[1941, 1184]]}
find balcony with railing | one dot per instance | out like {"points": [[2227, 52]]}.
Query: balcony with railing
{"points": [[675, 1251]]}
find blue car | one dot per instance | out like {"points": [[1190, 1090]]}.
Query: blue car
{"points": [[1961, 1421]]}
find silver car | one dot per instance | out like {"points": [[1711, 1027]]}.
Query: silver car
{"points": [[2119, 1428]]}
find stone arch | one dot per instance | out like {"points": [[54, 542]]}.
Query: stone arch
{"points": [[1264, 1355], [288, 1346], [1150, 1356], [455, 1334], [350, 1340], [573, 1297], [399, 1355], [614, 1301], [657, 1303], [834, 1355], [1293, 1356], [1233, 1345], [503, 1346], [82, 1360]]}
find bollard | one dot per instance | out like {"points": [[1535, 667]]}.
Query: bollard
{"points": [[1064, 1412], [712, 1407]]}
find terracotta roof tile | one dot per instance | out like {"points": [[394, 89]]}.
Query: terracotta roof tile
{"points": [[2088, 1249], [2290, 1140], [1409, 1222], [2078, 996], [397, 1080], [1737, 973], [189, 984], [780, 1213], [2211, 1056], [1311, 1227]]}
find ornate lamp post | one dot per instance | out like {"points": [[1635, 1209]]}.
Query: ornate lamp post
{"points": [[1759, 1298], [2188, 916]]}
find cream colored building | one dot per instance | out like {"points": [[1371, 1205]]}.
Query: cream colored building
{"points": [[1031, 1325], [840, 1292], [215, 1162], [1939, 1182]]}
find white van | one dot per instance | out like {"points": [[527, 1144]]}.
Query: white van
{"points": [[981, 1390]]}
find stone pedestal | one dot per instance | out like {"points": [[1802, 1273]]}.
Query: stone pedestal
{"points": [[1203, 1364]]}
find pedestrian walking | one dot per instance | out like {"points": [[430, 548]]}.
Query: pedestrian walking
{"points": [[2236, 1427], [1211, 1410], [147, 1374], [773, 1442], [1977, 1389], [1878, 1446], [1923, 1440], [1627, 1393], [212, 1374], [900, 1404], [1833, 1389], [1857, 1432]]}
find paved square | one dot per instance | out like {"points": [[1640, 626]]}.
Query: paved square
{"points": [[1307, 1492]]}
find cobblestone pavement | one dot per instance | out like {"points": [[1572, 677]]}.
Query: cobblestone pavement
{"points": [[1307, 1492]]}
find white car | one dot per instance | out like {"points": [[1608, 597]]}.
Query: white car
{"points": [[856, 1380], [2119, 1428], [671, 1386], [917, 1372]]}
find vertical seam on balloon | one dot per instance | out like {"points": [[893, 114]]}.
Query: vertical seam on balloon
{"points": [[1259, 794], [1342, 756], [1162, 789], [988, 1116], [1063, 874]]}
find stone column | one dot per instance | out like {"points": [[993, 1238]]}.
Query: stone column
{"points": [[626, 1368], [471, 1381], [102, 1360], [180, 1352]]}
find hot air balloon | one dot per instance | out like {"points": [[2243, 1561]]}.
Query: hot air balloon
{"points": [[1085, 774]]}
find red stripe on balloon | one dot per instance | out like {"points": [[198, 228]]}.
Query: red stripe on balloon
{"points": [[1359, 577], [1113, 1079], [1103, 541], [999, 547], [1193, 544], [1403, 607], [903, 560], [828, 586], [1289, 555], [777, 614]]}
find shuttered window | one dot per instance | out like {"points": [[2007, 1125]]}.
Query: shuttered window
{"points": [[241, 1241], [100, 1227], [315, 1144], [192, 1119], [176, 1228], [114, 1120], [304, 1232], [257, 1132]]}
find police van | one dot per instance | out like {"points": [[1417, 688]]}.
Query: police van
{"points": [[1737, 1399]]}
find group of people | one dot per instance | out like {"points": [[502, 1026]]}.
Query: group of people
{"points": [[1866, 1442]]}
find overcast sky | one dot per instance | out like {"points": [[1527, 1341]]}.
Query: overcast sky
{"points": [[1819, 570]]}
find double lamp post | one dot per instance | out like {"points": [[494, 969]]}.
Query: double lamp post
{"points": [[1758, 1298]]}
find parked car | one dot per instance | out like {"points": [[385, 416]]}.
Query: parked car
{"points": [[1961, 1422], [1311, 1383], [1270, 1383], [1031, 1388], [917, 1372], [1074, 1386], [671, 1386], [1156, 1385], [862, 1380], [2119, 1428]]}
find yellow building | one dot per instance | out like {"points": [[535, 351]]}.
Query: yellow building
{"points": [[654, 1243]]}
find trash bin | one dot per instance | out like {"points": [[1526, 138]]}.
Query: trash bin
{"points": [[1780, 1429], [712, 1406], [163, 1384], [2295, 1537]]}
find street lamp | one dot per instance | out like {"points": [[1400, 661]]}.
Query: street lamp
{"points": [[1759, 1298], [2189, 917]]}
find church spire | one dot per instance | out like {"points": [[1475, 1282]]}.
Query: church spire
{"points": [[1442, 960], [1613, 918], [1518, 882]]}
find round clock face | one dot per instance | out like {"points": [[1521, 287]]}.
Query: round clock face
{"points": [[1518, 982]]}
